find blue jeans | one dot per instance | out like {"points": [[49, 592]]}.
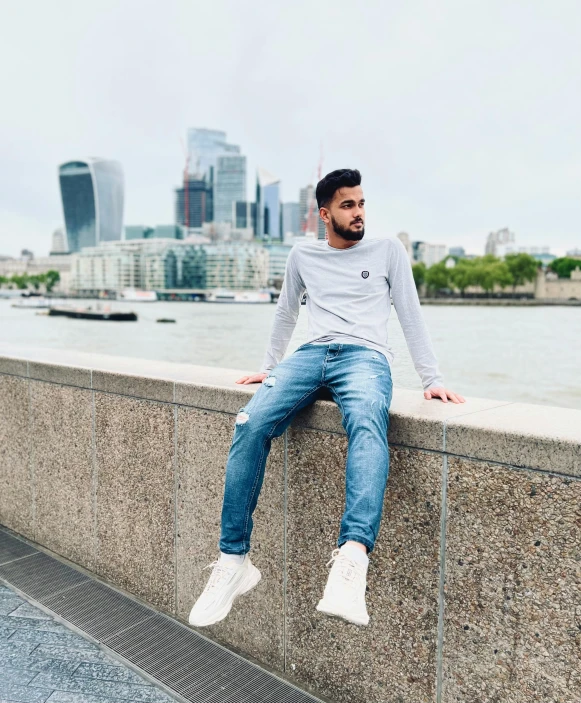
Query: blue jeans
{"points": [[359, 380]]}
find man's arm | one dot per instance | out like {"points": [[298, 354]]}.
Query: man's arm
{"points": [[285, 319], [286, 315], [409, 312]]}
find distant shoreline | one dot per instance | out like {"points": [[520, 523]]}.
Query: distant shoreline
{"points": [[498, 301]]}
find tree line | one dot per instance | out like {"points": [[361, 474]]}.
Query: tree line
{"points": [[24, 281], [455, 273]]}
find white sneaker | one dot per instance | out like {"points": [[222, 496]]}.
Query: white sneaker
{"points": [[228, 581], [344, 595]]}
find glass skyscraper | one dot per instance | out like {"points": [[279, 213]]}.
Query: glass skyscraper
{"points": [[268, 220], [229, 186], [204, 148], [308, 210], [199, 203], [291, 219], [92, 198]]}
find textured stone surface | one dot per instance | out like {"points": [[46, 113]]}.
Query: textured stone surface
{"points": [[256, 621], [75, 672], [18, 367], [60, 373], [138, 386], [532, 436], [417, 422], [62, 464], [16, 496], [513, 586], [227, 400], [394, 658], [135, 496]]}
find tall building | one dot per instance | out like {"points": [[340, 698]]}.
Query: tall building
{"points": [[308, 210], [429, 254], [278, 254], [92, 198], [291, 224], [59, 242], [198, 201], [244, 215], [460, 252], [204, 148], [496, 242], [229, 185], [267, 206]]}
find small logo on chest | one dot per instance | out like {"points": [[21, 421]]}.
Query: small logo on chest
{"points": [[365, 274]]}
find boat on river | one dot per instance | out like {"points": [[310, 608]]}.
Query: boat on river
{"points": [[31, 303], [90, 314], [133, 295], [222, 295]]}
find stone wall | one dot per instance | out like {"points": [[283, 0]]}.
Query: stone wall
{"points": [[475, 583]]}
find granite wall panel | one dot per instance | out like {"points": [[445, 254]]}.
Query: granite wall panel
{"points": [[393, 658], [16, 493], [135, 496], [256, 621], [62, 457], [513, 586]]}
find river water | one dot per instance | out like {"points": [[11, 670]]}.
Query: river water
{"points": [[525, 354]]}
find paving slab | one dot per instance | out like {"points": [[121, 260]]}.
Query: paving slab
{"points": [[41, 659]]}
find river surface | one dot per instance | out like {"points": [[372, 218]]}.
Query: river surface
{"points": [[525, 354]]}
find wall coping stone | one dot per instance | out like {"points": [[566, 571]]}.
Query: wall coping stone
{"points": [[524, 435]]}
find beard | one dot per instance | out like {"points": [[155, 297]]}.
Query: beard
{"points": [[346, 233]]}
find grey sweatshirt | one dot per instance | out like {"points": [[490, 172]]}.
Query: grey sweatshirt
{"points": [[348, 301]]}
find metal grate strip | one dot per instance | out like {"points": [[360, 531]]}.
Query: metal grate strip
{"points": [[40, 576], [12, 549], [197, 669], [98, 610]]}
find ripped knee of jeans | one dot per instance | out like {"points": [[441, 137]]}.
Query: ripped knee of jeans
{"points": [[270, 381], [242, 417]]}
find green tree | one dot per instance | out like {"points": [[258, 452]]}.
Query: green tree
{"points": [[564, 265], [20, 280], [463, 275], [52, 277], [489, 271], [522, 267], [419, 272], [438, 276]]}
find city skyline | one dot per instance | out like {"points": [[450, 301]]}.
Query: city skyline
{"points": [[462, 119]]}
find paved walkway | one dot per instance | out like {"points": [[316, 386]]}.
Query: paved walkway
{"points": [[41, 660]]}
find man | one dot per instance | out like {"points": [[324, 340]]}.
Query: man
{"points": [[348, 283]]}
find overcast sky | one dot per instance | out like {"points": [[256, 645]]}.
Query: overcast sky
{"points": [[463, 116]]}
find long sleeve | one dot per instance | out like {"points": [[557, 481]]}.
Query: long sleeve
{"points": [[286, 315], [407, 305]]}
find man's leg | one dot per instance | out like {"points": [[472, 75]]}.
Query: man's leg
{"points": [[292, 385], [360, 381]]}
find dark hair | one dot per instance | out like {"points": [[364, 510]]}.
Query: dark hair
{"points": [[341, 178]]}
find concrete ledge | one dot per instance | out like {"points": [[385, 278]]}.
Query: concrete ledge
{"points": [[118, 464], [533, 436]]}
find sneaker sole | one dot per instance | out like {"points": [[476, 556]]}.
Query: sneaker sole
{"points": [[327, 609], [247, 584]]}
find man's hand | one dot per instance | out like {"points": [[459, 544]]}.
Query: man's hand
{"points": [[256, 378], [444, 394]]}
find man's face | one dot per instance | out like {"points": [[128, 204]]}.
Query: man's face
{"points": [[346, 213]]}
